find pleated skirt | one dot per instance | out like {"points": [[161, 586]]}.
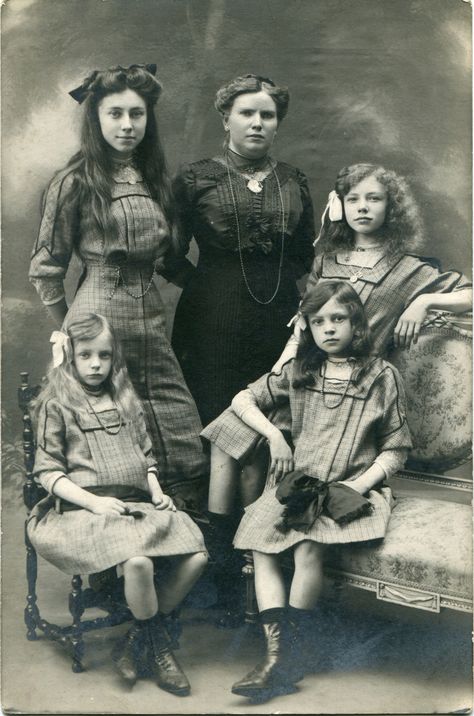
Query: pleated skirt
{"points": [[80, 542], [259, 530]]}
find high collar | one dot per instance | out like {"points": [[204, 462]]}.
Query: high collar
{"points": [[242, 163]]}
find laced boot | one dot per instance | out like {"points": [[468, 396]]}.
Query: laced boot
{"points": [[273, 674], [126, 652], [165, 668]]}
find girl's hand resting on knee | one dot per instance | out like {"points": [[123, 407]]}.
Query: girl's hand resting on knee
{"points": [[163, 502], [281, 456], [108, 506]]}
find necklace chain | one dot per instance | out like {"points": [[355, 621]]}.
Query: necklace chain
{"points": [[119, 275], [324, 394], [244, 275], [104, 427]]}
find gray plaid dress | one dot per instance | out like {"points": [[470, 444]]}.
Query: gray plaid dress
{"points": [[118, 283], [338, 431], [385, 290], [77, 446]]}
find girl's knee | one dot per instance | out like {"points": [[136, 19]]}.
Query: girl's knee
{"points": [[199, 561], [309, 554], [139, 566]]}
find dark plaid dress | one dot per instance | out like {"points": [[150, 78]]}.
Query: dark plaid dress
{"points": [[385, 290], [338, 432], [222, 337], [118, 283], [77, 445]]}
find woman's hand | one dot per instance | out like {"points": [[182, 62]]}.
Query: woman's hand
{"points": [[163, 502], [281, 456], [107, 506], [409, 324]]}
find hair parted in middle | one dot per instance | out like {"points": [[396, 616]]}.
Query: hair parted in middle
{"points": [[309, 356], [62, 382], [402, 230], [93, 166], [251, 83]]}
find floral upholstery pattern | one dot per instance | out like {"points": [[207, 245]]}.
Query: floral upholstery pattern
{"points": [[428, 546], [437, 373]]}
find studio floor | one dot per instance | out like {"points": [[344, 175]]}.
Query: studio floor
{"points": [[374, 658]]}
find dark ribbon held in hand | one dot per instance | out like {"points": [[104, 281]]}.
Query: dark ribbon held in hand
{"points": [[306, 498]]}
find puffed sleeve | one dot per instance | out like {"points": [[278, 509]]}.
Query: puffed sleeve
{"points": [[302, 249], [392, 429], [272, 389], [57, 237], [50, 456], [177, 268], [427, 277]]}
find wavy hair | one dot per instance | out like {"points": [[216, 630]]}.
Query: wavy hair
{"points": [[252, 83], [402, 230], [62, 382], [93, 165], [309, 356]]}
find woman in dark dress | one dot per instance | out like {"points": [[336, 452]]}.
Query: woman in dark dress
{"points": [[252, 219]]}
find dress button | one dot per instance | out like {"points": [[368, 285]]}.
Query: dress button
{"points": [[354, 279]]}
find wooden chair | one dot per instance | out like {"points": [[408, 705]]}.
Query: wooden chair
{"points": [[107, 599]]}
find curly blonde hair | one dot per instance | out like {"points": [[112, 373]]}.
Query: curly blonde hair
{"points": [[403, 227]]}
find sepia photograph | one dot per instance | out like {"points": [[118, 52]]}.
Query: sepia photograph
{"points": [[236, 357]]}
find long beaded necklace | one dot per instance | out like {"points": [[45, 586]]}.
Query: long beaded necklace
{"points": [[104, 427], [346, 388], [236, 215]]}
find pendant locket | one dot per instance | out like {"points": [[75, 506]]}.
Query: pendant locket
{"points": [[255, 186]]}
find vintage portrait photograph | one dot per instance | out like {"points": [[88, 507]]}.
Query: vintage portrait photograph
{"points": [[236, 357]]}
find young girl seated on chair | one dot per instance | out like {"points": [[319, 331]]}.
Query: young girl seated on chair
{"points": [[106, 506], [349, 434]]}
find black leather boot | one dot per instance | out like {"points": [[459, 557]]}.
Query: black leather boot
{"points": [[126, 652], [166, 670], [274, 671]]}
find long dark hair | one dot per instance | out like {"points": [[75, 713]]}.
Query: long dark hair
{"points": [[402, 230], [309, 357], [93, 164]]}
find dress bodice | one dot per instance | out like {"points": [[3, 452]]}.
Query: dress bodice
{"points": [[216, 207], [139, 234]]}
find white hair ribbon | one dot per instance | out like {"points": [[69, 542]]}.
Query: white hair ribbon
{"points": [[298, 322], [334, 210], [61, 347]]}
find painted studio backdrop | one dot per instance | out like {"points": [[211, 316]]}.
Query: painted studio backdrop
{"points": [[373, 80], [378, 81]]}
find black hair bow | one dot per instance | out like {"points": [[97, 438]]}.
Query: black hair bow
{"points": [[80, 93]]}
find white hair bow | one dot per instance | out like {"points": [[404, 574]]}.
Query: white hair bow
{"points": [[334, 210], [61, 347], [298, 322]]}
